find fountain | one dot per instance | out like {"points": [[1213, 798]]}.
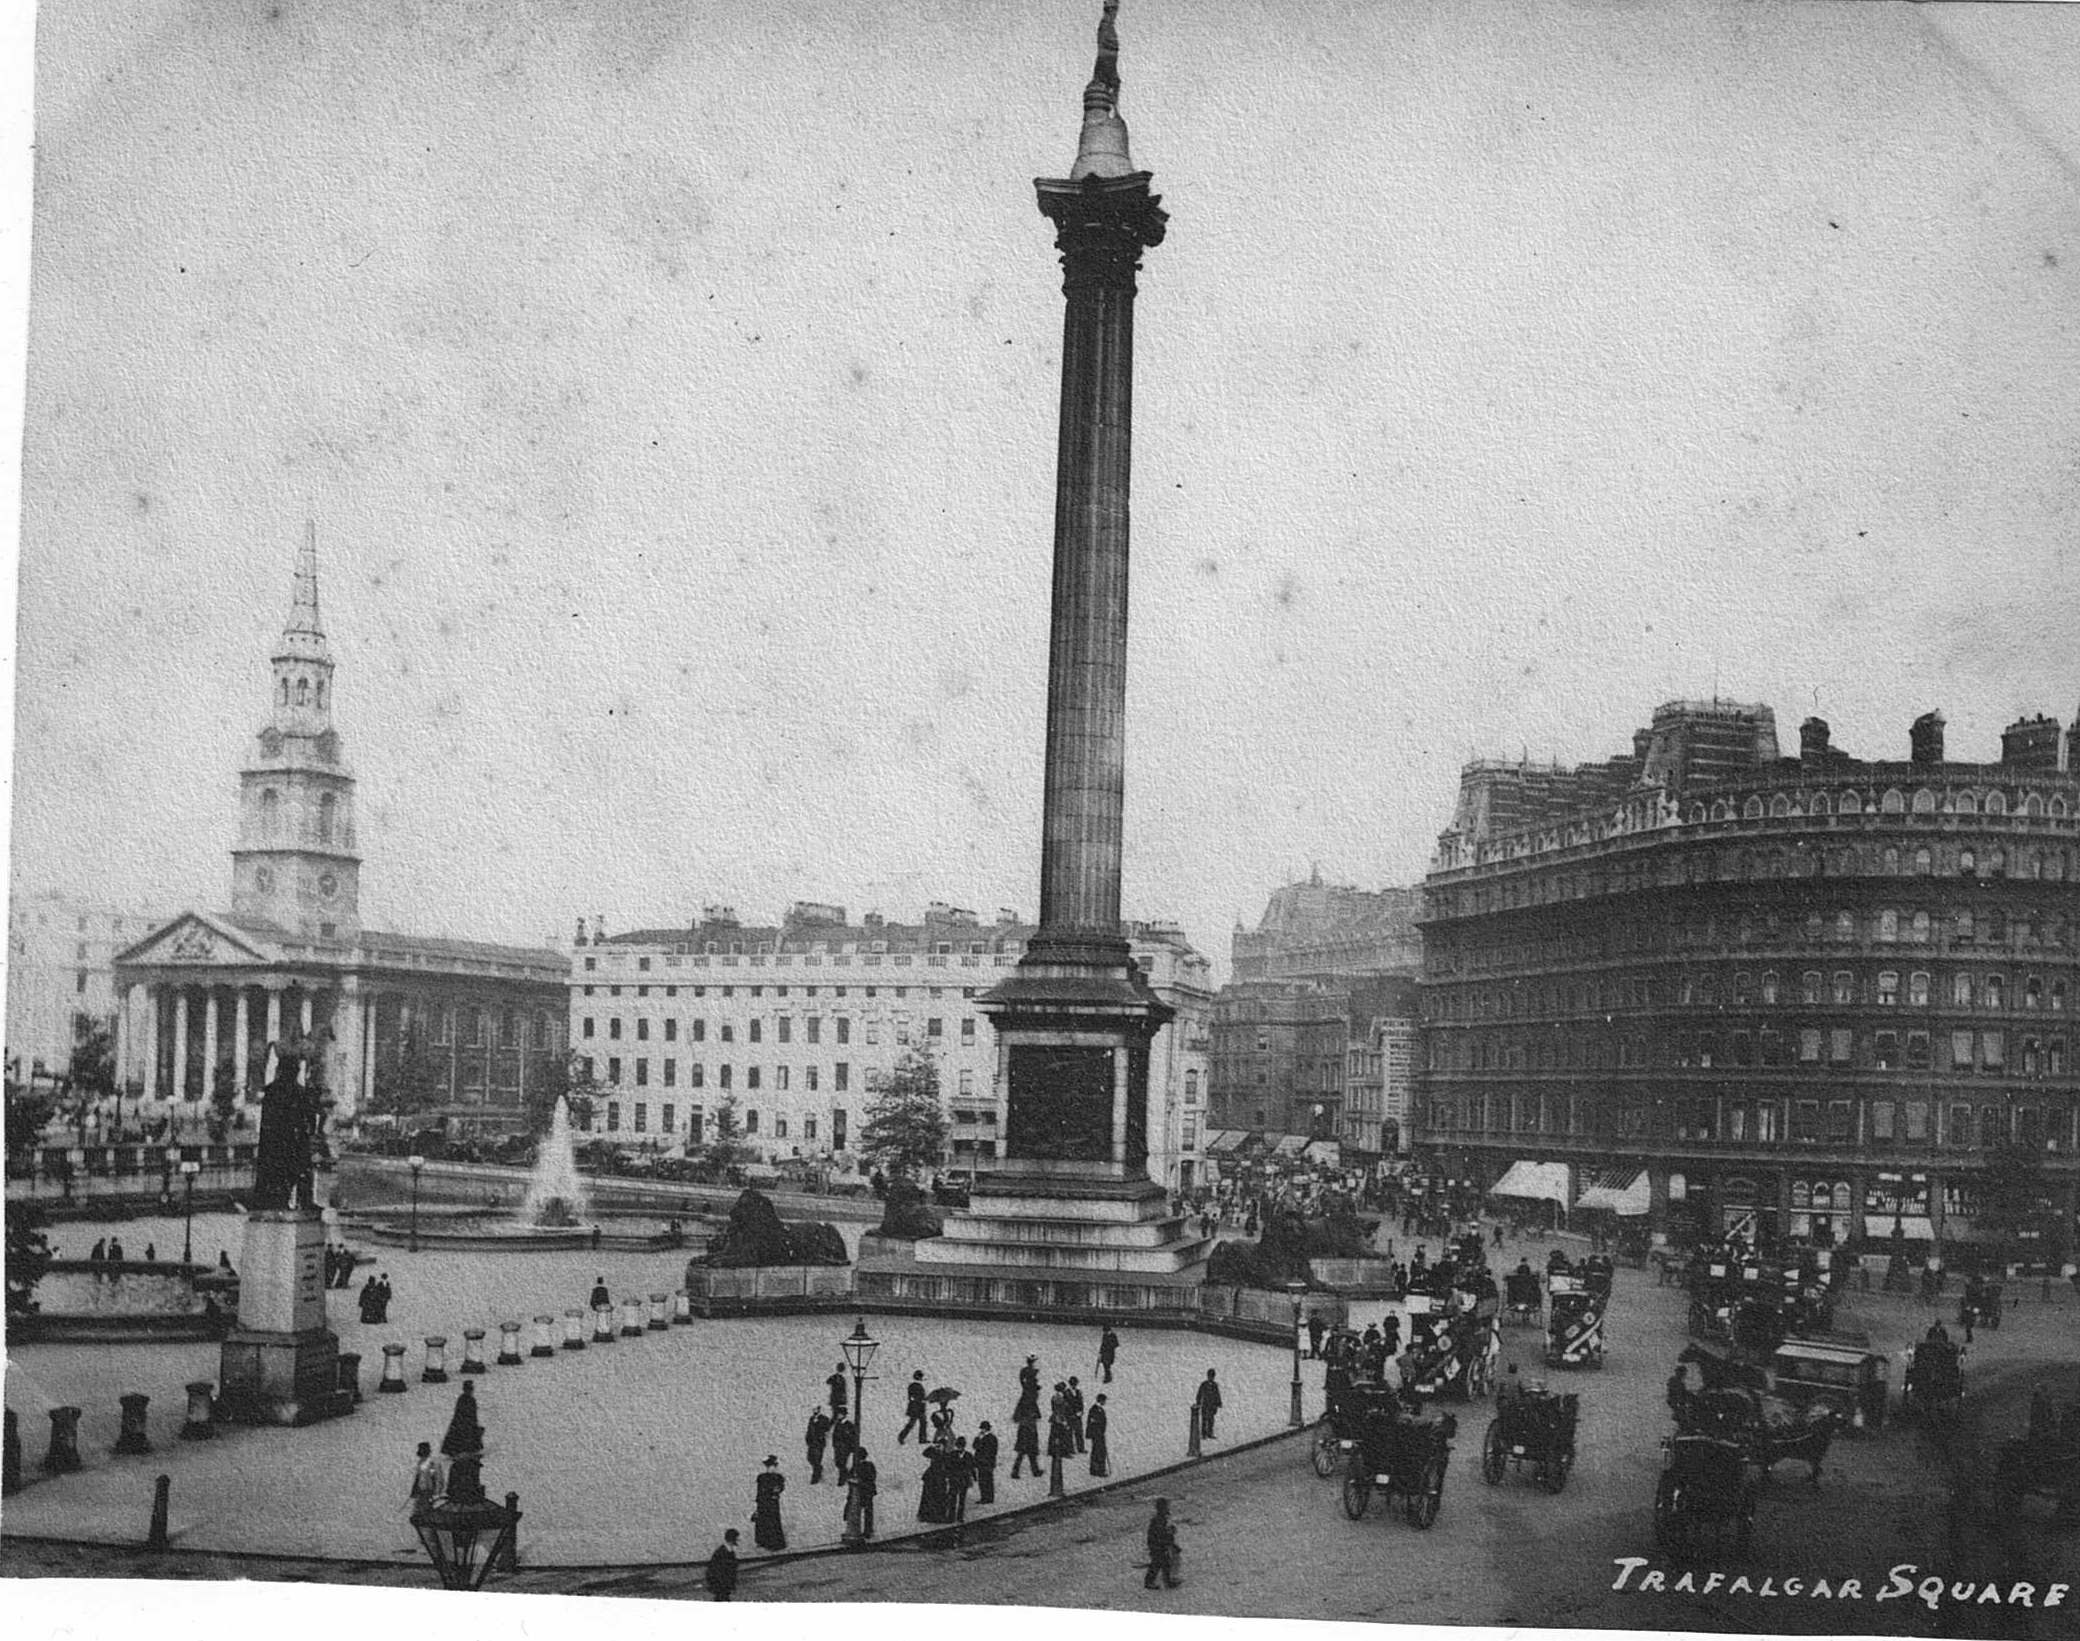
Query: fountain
{"points": [[556, 1195]]}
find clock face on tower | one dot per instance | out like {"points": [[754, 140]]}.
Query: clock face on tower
{"points": [[328, 885], [263, 879]]}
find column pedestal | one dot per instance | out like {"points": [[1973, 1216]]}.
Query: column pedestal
{"points": [[280, 1363]]}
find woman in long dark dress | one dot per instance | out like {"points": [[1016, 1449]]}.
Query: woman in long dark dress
{"points": [[766, 1530], [1095, 1424], [935, 1497]]}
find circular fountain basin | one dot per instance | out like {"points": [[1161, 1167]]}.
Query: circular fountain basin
{"points": [[493, 1233]]}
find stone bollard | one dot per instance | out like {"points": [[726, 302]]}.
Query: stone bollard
{"points": [[603, 1325], [133, 1437], [631, 1318], [1055, 1489], [11, 1466], [682, 1307], [392, 1383], [473, 1351], [162, 1496], [512, 1560], [660, 1320], [1191, 1447], [573, 1330], [509, 1345], [436, 1369], [63, 1454], [348, 1383], [201, 1423], [544, 1336]]}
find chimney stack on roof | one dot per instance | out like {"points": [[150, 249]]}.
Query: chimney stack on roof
{"points": [[2031, 743], [1925, 738], [1812, 741]]}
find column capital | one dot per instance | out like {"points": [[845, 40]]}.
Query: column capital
{"points": [[1101, 227]]}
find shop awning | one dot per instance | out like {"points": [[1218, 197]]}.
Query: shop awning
{"points": [[1226, 1140], [1329, 1151], [1541, 1181], [1289, 1145], [1622, 1190]]}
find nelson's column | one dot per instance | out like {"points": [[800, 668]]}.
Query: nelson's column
{"points": [[1068, 1215]]}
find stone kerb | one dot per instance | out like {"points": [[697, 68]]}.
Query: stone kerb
{"points": [[706, 1283]]}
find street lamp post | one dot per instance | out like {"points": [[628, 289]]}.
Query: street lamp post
{"points": [[415, 1163], [188, 1172], [859, 1347], [1298, 1290]]}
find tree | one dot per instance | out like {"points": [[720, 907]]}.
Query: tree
{"points": [[28, 1257], [727, 1145], [569, 1078], [29, 1113], [905, 1130], [93, 1069], [410, 1085]]}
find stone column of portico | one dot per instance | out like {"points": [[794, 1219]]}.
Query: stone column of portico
{"points": [[209, 1042], [242, 1037], [180, 1041], [274, 1017], [151, 1042], [367, 1083], [122, 1037], [308, 1017]]}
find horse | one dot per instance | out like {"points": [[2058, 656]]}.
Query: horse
{"points": [[1724, 1372]]}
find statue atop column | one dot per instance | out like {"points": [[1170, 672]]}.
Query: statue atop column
{"points": [[282, 1173]]}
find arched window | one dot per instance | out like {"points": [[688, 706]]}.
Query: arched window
{"points": [[1895, 801], [1996, 803], [1924, 861], [1769, 985], [1917, 988], [1967, 803], [1888, 925], [1849, 804], [2033, 866], [1920, 928], [1924, 802], [1845, 926], [1722, 810], [1961, 991], [1780, 806], [2058, 808], [285, 692], [303, 692], [2033, 805], [1997, 863], [1891, 860], [1994, 994], [270, 811], [1967, 863], [1752, 809], [328, 816], [1697, 813], [1817, 804]]}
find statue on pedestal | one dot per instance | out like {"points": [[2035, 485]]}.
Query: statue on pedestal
{"points": [[288, 1119]]}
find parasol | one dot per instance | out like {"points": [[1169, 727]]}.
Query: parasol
{"points": [[943, 1395]]}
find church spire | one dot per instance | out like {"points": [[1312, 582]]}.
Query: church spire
{"points": [[1101, 151], [303, 638]]}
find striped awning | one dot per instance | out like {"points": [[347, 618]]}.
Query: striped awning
{"points": [[1541, 1181], [1622, 1190], [1225, 1140], [1290, 1145]]}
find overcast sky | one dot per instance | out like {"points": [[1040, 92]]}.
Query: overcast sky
{"points": [[674, 386]]}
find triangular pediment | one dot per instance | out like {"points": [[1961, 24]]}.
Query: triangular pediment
{"points": [[197, 937]]}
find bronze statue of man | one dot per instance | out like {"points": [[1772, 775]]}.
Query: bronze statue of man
{"points": [[282, 1164]]}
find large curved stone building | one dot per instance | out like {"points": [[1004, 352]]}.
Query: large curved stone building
{"points": [[1717, 986]]}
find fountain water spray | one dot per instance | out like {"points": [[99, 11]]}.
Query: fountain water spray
{"points": [[556, 1195]]}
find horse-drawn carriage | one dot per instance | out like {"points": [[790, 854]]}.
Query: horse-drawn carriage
{"points": [[1739, 1406], [1836, 1371], [1574, 1323], [1981, 1302], [1934, 1380], [1704, 1486], [1453, 1353], [1523, 1298], [1336, 1432], [1534, 1428], [1400, 1455]]}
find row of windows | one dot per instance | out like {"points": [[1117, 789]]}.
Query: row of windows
{"points": [[1893, 801], [1961, 1124], [697, 1125], [1842, 1046], [486, 1028], [1967, 988], [1988, 926], [899, 992], [871, 954], [783, 1029]]}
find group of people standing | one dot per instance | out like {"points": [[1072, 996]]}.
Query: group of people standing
{"points": [[110, 1252], [375, 1298], [340, 1261], [1073, 1425]]}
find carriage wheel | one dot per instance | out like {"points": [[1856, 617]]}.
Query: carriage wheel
{"points": [[1324, 1454], [1667, 1503], [1554, 1471], [1478, 1383], [1429, 1494], [1494, 1454], [1357, 1493]]}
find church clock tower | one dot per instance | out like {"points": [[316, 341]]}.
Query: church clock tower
{"points": [[294, 865]]}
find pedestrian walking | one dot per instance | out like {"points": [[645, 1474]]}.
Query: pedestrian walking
{"points": [[1061, 1444], [1108, 1351], [1025, 1440], [115, 1250], [1095, 1427], [935, 1492], [1074, 1408], [722, 1568], [837, 1386], [960, 1476], [99, 1252], [429, 1479], [984, 1453], [1162, 1548], [859, 1497], [814, 1438], [1315, 1328], [913, 1410], [601, 1299], [1209, 1404], [151, 1253], [844, 1443], [766, 1530]]}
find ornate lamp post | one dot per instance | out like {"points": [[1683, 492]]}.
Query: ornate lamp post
{"points": [[468, 1539], [415, 1163], [188, 1172], [1298, 1290], [859, 1347]]}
